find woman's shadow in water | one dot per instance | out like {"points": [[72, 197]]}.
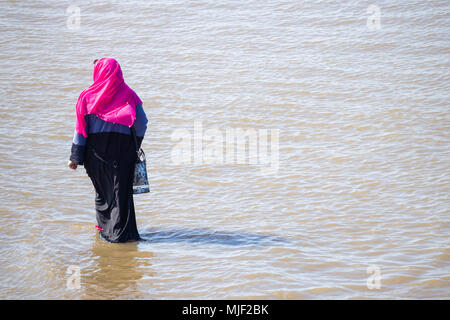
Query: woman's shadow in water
{"points": [[203, 235]]}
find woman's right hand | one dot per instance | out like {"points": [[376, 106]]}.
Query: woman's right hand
{"points": [[72, 165]]}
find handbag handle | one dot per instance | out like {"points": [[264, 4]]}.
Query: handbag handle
{"points": [[133, 133]]}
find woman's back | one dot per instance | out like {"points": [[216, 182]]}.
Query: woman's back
{"points": [[103, 134]]}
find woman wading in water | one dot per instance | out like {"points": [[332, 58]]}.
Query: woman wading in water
{"points": [[104, 144]]}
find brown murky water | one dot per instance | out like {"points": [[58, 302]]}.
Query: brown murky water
{"points": [[358, 206]]}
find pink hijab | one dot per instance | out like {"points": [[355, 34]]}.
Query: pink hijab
{"points": [[109, 97]]}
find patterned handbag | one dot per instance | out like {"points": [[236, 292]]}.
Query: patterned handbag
{"points": [[140, 180]]}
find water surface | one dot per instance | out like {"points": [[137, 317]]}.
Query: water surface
{"points": [[363, 177]]}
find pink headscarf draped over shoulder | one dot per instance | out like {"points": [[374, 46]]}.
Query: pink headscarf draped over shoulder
{"points": [[109, 97]]}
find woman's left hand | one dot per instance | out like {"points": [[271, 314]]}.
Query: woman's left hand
{"points": [[72, 165]]}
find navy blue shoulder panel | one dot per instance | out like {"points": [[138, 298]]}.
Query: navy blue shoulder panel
{"points": [[97, 125], [141, 121]]}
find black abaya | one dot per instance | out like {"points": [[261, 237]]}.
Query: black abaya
{"points": [[109, 162]]}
